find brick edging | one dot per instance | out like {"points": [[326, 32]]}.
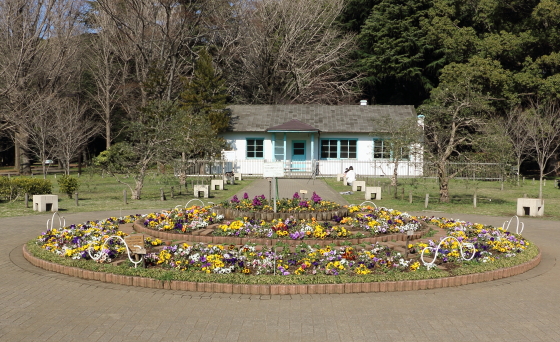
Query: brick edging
{"points": [[388, 286], [139, 227]]}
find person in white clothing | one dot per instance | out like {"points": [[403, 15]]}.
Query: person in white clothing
{"points": [[350, 176]]}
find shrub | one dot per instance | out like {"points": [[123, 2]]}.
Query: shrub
{"points": [[12, 188], [68, 185]]}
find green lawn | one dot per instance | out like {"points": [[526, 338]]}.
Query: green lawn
{"points": [[98, 193], [491, 199], [104, 193]]}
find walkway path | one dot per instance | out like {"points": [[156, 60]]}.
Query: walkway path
{"points": [[36, 305], [287, 188]]}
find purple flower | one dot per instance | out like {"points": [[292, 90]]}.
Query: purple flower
{"points": [[297, 235], [303, 204], [296, 196], [315, 198], [245, 196], [256, 202], [234, 199]]}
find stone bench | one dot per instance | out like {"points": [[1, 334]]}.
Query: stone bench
{"points": [[45, 202], [237, 176], [340, 177], [530, 207], [205, 189], [373, 193], [217, 184], [359, 186]]}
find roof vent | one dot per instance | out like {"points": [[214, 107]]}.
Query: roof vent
{"points": [[363, 102]]}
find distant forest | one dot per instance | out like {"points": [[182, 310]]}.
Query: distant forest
{"points": [[91, 69]]}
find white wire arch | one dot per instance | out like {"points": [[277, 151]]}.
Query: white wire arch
{"points": [[61, 219], [98, 255], [194, 199], [519, 223], [430, 265]]}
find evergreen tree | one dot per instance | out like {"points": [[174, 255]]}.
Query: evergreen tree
{"points": [[399, 63], [206, 94]]}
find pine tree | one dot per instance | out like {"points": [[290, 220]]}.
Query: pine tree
{"points": [[206, 94]]}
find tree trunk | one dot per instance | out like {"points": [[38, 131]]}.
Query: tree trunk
{"points": [[443, 179], [17, 156], [107, 128], [139, 181], [23, 161], [394, 177], [541, 176], [518, 171]]}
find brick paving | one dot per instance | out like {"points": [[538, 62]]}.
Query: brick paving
{"points": [[37, 305]]}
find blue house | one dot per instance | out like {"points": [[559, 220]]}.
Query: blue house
{"points": [[302, 135]]}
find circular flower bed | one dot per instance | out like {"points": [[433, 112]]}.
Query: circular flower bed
{"points": [[485, 244]]}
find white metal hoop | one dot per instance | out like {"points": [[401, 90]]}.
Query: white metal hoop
{"points": [[194, 199], [368, 202], [61, 219], [98, 255], [430, 265], [517, 231]]}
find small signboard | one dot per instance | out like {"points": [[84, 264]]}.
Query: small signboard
{"points": [[273, 169], [135, 243]]}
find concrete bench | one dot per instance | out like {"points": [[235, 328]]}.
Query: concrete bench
{"points": [[237, 176], [340, 177], [373, 193], [205, 189], [530, 207], [359, 186], [217, 184], [45, 202]]}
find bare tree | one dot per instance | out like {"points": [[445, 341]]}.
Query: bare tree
{"points": [[38, 39], [72, 130], [454, 118], [36, 130], [543, 129], [293, 52], [158, 38], [151, 139], [108, 63], [516, 126]]}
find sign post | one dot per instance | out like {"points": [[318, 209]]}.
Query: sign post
{"points": [[274, 170]]}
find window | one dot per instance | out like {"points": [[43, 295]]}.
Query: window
{"points": [[381, 150], [338, 149], [255, 148], [405, 153], [329, 149], [347, 149]]}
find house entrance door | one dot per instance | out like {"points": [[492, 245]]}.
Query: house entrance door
{"points": [[298, 155]]}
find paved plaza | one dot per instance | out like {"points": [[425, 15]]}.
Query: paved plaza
{"points": [[37, 305]]}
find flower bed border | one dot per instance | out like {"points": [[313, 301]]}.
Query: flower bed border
{"points": [[252, 289], [214, 239]]}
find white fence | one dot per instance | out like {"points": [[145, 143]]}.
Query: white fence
{"points": [[482, 171], [306, 168]]}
